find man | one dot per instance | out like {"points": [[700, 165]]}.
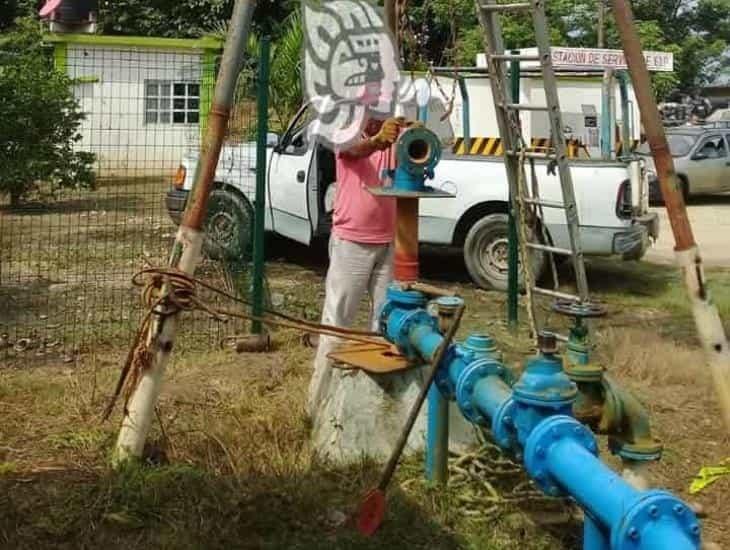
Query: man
{"points": [[361, 243], [363, 226]]}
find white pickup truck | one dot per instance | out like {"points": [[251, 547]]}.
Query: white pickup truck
{"points": [[301, 182]]}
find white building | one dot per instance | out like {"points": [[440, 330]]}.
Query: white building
{"points": [[144, 98]]}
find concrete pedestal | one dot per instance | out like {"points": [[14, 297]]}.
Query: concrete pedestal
{"points": [[356, 414]]}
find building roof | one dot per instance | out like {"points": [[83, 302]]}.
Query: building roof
{"points": [[203, 43]]}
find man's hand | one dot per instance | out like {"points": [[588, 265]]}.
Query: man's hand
{"points": [[388, 132]]}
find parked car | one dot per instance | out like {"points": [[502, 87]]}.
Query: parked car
{"points": [[301, 184], [701, 159]]}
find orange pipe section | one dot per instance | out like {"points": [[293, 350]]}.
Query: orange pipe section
{"points": [[406, 240]]}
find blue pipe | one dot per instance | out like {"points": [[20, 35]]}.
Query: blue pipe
{"points": [[437, 437], [465, 113], [535, 418], [593, 536], [606, 115]]}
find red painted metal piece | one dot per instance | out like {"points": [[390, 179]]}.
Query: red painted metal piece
{"points": [[371, 513]]}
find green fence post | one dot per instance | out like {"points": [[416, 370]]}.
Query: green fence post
{"points": [[259, 205], [512, 253]]}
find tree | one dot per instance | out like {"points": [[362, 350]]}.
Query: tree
{"points": [[39, 120]]}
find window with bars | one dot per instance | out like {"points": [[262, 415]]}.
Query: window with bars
{"points": [[168, 102]]}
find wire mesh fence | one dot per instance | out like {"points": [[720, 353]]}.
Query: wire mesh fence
{"points": [[67, 255]]}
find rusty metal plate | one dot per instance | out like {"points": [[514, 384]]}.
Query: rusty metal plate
{"points": [[370, 358], [429, 193]]}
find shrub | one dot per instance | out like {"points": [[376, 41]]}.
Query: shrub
{"points": [[39, 118]]}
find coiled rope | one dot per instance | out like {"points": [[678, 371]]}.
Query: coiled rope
{"points": [[167, 291]]}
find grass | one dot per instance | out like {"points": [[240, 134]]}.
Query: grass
{"points": [[229, 464]]}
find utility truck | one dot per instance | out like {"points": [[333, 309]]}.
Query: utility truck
{"points": [[612, 199]]}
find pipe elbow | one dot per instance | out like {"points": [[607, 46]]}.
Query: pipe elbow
{"points": [[626, 421]]}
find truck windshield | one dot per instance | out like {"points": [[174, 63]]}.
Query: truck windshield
{"points": [[679, 145]]}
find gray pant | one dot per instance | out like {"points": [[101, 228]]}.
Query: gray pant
{"points": [[355, 269]]}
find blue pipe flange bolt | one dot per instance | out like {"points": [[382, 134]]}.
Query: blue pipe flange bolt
{"points": [[650, 511], [547, 433], [467, 381], [503, 426]]}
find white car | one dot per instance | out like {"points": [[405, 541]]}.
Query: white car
{"points": [[301, 179]]}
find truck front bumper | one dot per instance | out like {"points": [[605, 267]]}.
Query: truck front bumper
{"points": [[175, 201], [633, 243]]}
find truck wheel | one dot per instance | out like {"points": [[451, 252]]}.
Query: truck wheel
{"points": [[228, 227], [486, 252]]}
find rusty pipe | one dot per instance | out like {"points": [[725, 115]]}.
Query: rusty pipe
{"points": [[653, 128], [405, 263], [710, 329]]}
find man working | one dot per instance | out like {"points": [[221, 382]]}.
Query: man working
{"points": [[361, 244]]}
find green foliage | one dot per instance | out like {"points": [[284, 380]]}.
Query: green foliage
{"points": [[40, 119]]}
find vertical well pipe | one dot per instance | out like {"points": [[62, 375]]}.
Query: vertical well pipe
{"points": [[261, 173], [405, 262], [185, 254], [623, 86], [593, 536], [606, 115], [707, 319], [437, 437], [465, 113], [512, 252]]}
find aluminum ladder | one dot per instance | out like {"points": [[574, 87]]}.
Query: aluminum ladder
{"points": [[516, 150]]}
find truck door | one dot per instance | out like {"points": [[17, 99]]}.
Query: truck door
{"points": [[288, 174], [707, 164]]}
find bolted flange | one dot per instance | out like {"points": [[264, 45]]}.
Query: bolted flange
{"points": [[467, 381], [503, 425], [654, 506], [547, 433]]}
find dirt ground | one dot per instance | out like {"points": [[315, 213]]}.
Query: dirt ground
{"points": [[710, 218], [229, 463]]}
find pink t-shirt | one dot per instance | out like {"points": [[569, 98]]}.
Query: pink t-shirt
{"points": [[359, 216]]}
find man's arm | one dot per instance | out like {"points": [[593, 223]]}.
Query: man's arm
{"points": [[382, 140], [363, 148]]}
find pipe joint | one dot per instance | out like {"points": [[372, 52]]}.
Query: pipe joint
{"points": [[466, 385], [656, 520], [543, 438]]}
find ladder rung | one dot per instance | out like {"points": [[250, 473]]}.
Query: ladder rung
{"points": [[514, 57], [546, 204], [548, 248], [525, 107], [555, 294], [506, 7], [531, 155]]}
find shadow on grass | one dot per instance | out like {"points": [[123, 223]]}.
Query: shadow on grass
{"points": [[121, 202], [184, 507], [613, 276]]}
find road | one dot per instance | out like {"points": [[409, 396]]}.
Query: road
{"points": [[710, 219]]}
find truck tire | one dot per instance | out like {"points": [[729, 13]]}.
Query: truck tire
{"points": [[486, 251], [228, 227]]}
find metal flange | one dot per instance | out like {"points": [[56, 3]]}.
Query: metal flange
{"points": [[503, 425], [654, 506], [473, 373], [546, 434]]}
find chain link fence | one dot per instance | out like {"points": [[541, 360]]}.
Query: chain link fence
{"points": [[67, 256]]}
